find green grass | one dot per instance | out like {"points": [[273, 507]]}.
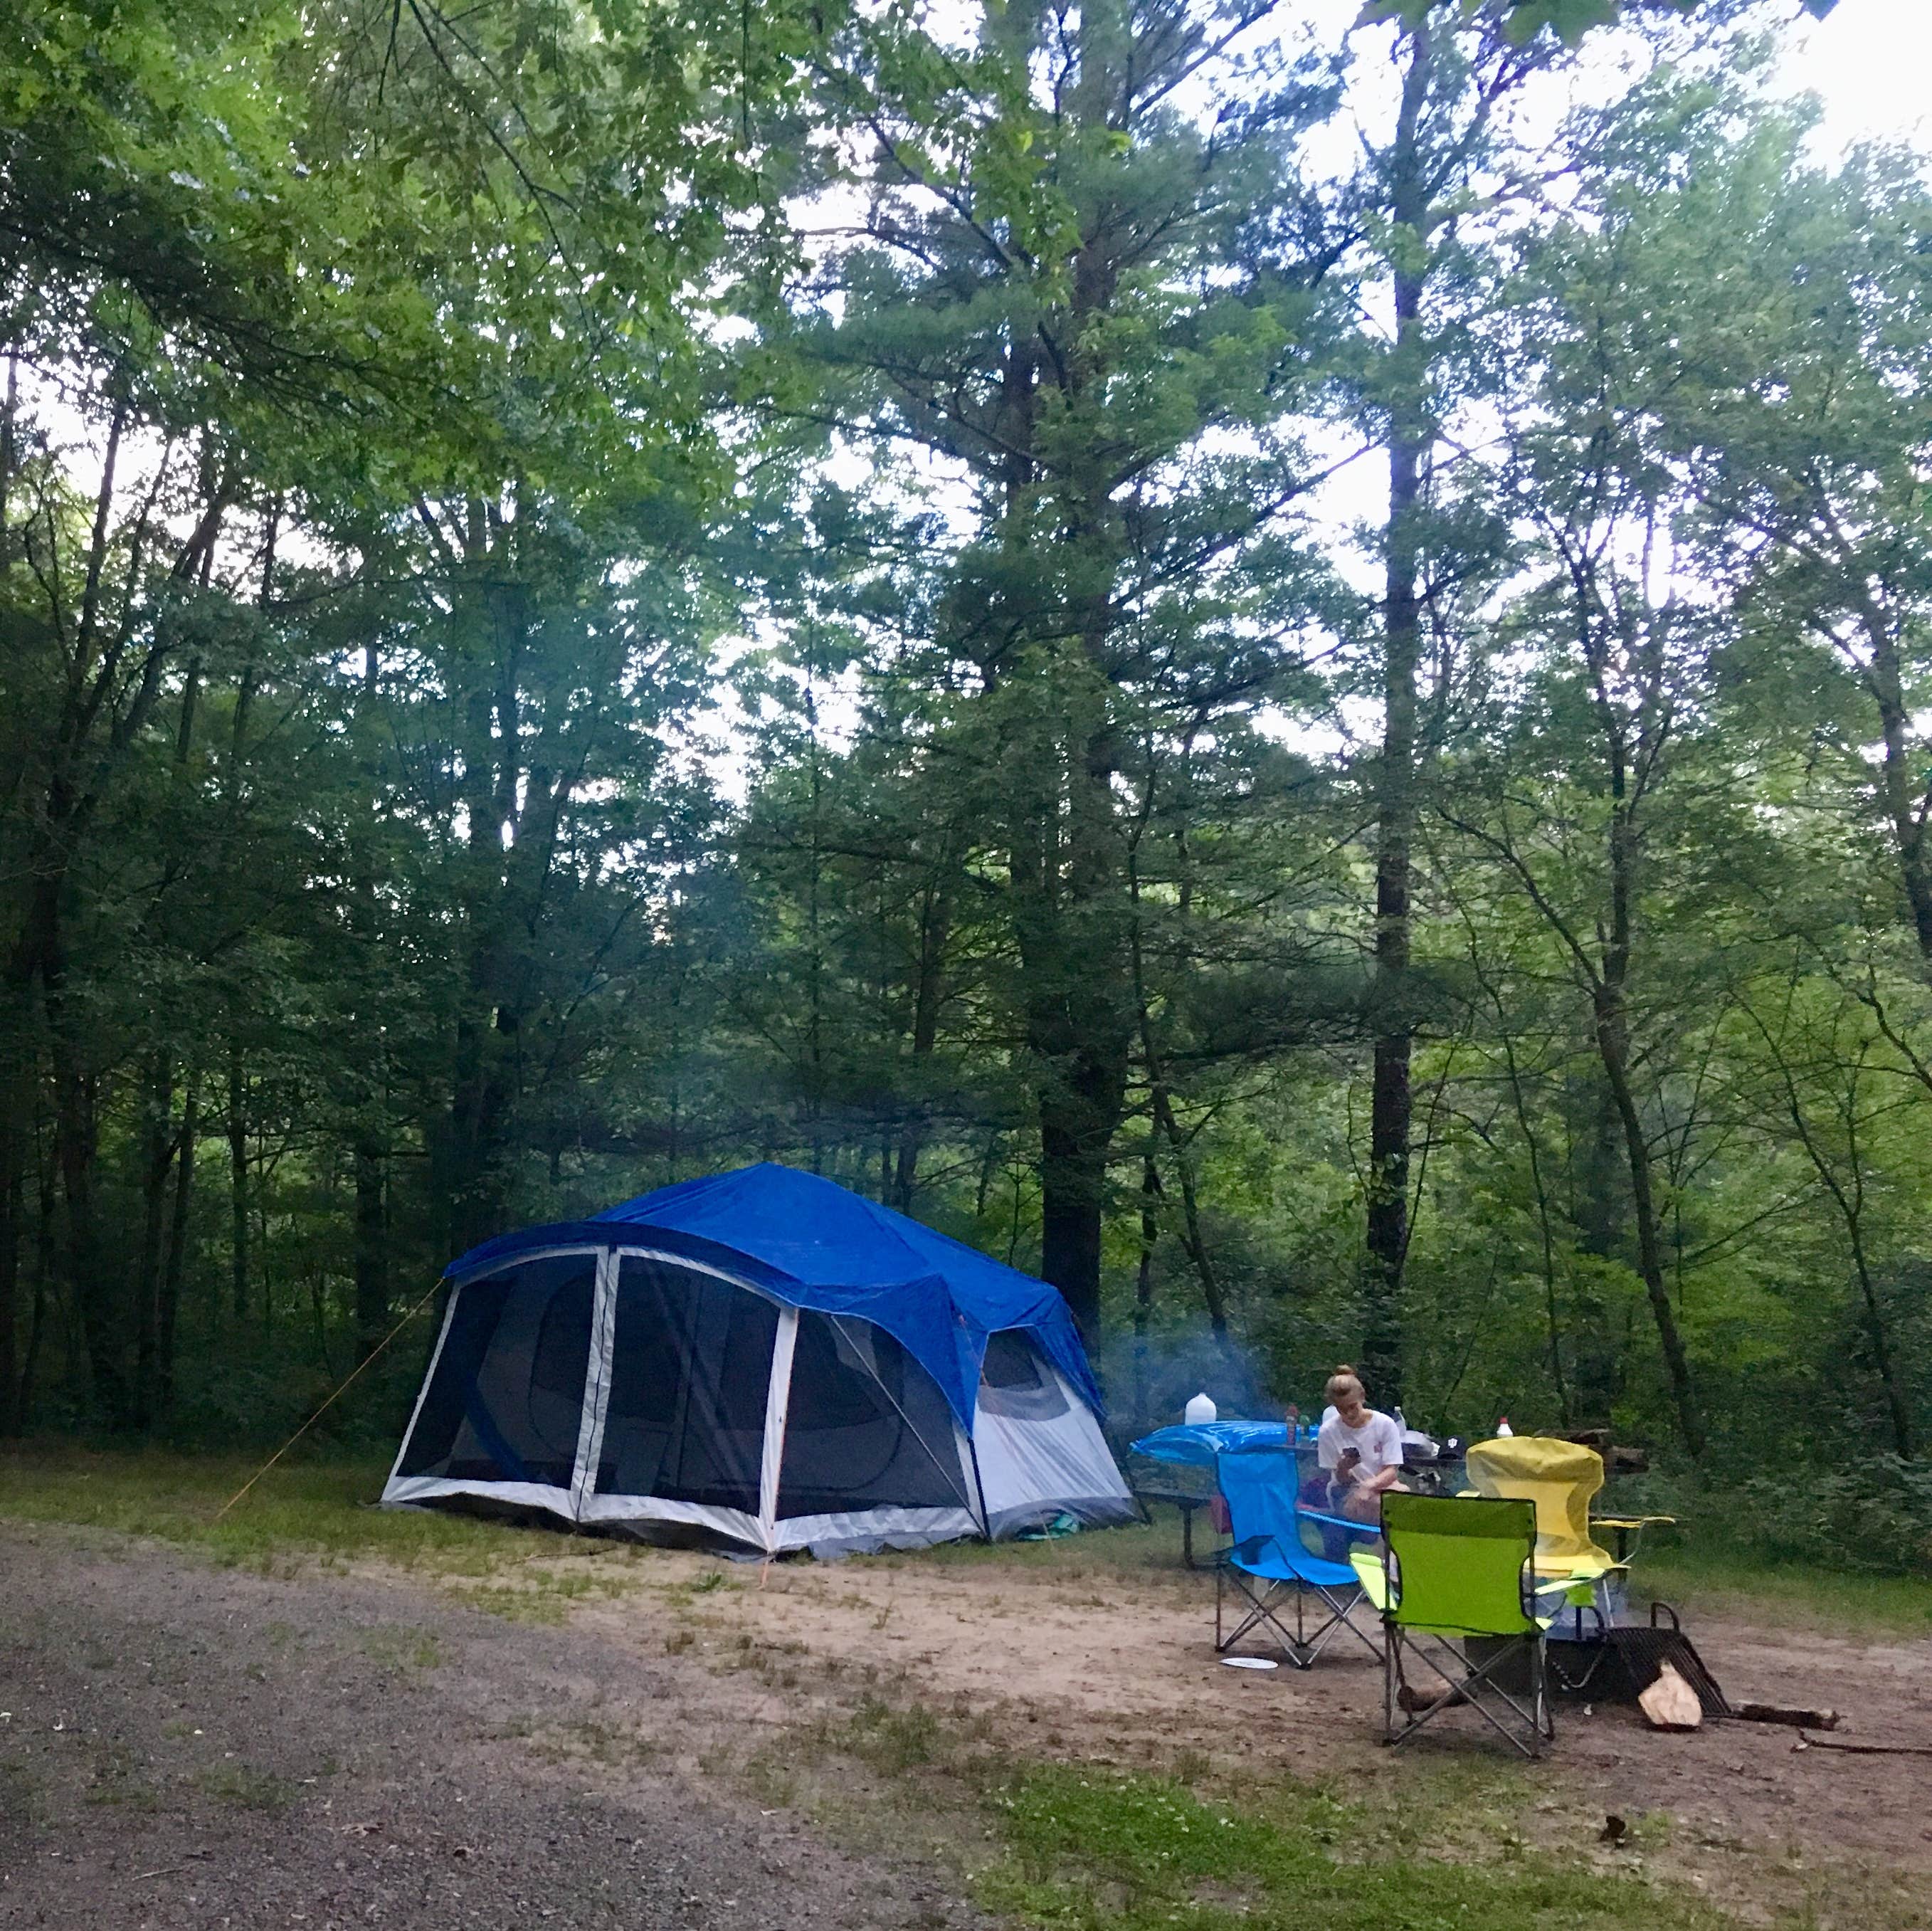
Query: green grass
{"points": [[400, 1648], [319, 1509], [1730, 1580], [1078, 1847], [1074, 1847], [1084, 1851], [246, 1788], [1134, 1554]]}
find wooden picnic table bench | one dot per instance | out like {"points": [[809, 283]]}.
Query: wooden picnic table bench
{"points": [[1187, 1500]]}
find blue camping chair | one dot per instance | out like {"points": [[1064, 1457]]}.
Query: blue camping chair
{"points": [[1268, 1564]]}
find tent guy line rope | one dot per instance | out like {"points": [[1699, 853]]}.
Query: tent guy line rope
{"points": [[341, 1391]]}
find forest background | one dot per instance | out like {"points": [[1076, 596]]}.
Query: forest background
{"points": [[1273, 659]]}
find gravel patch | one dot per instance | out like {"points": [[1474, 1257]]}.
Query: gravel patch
{"points": [[182, 1745]]}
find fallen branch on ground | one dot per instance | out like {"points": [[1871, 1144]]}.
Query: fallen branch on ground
{"points": [[1864, 1749], [1774, 1713]]}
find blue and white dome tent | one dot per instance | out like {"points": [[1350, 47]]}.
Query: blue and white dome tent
{"points": [[763, 1358]]}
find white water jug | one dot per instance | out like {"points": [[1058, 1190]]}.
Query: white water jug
{"points": [[1200, 1409]]}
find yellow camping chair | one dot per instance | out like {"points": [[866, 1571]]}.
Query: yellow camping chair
{"points": [[1562, 1478], [1559, 1478]]}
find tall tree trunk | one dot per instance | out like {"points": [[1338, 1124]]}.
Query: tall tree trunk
{"points": [[1079, 1031], [1144, 1278], [1545, 1230], [1391, 1103], [17, 1113], [372, 1249], [1076, 1130], [13, 1205], [91, 1281], [1191, 1238], [1850, 1200], [1897, 1408], [91, 1284], [175, 1270], [46, 1265], [238, 1177], [158, 1168], [1613, 1047], [935, 927], [488, 1029], [1612, 1031], [1904, 785], [237, 1081]]}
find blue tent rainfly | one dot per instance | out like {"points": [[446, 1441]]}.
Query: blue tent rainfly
{"points": [[760, 1358]]}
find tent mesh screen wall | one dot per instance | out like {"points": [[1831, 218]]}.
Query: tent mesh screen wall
{"points": [[1016, 1382], [690, 1366], [866, 1426], [507, 1397]]}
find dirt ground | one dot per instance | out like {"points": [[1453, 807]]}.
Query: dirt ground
{"points": [[185, 1745], [1069, 1657]]}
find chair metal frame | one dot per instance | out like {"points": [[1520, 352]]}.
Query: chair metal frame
{"points": [[1465, 1683], [1265, 1569]]}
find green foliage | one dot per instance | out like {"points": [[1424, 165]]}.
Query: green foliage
{"points": [[586, 595], [1874, 1515], [1570, 20]]}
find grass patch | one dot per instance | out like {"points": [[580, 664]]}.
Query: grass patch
{"points": [[400, 1648], [1084, 1850], [1096, 1555], [539, 1595], [314, 1509], [1079, 1847], [320, 1512], [534, 1606], [246, 1788], [1731, 1580], [118, 1781]]}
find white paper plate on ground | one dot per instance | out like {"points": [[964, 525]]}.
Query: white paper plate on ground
{"points": [[1248, 1663]]}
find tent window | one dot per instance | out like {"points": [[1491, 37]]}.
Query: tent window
{"points": [[1016, 1381], [865, 1426], [690, 1366], [507, 1395]]}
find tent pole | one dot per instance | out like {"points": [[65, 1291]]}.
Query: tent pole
{"points": [[777, 1405], [596, 1382]]}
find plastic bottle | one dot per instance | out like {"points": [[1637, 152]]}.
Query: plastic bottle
{"points": [[1200, 1409], [1401, 1423], [1503, 1428]]}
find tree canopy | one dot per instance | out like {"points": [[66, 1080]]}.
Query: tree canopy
{"points": [[1285, 680]]}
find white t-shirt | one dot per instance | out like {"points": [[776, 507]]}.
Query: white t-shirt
{"points": [[1377, 1443]]}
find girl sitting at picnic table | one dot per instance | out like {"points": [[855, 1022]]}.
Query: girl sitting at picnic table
{"points": [[1359, 1448]]}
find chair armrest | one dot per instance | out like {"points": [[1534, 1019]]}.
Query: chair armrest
{"points": [[1372, 1575], [1337, 1522], [1630, 1522], [1562, 1582]]}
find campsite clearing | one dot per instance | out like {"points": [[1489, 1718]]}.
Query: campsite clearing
{"points": [[440, 1719]]}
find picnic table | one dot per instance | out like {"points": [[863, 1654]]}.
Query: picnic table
{"points": [[1198, 1444]]}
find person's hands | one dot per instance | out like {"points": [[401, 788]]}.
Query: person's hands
{"points": [[1347, 1466]]}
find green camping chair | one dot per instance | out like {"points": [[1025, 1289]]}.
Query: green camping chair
{"points": [[1459, 1601]]}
